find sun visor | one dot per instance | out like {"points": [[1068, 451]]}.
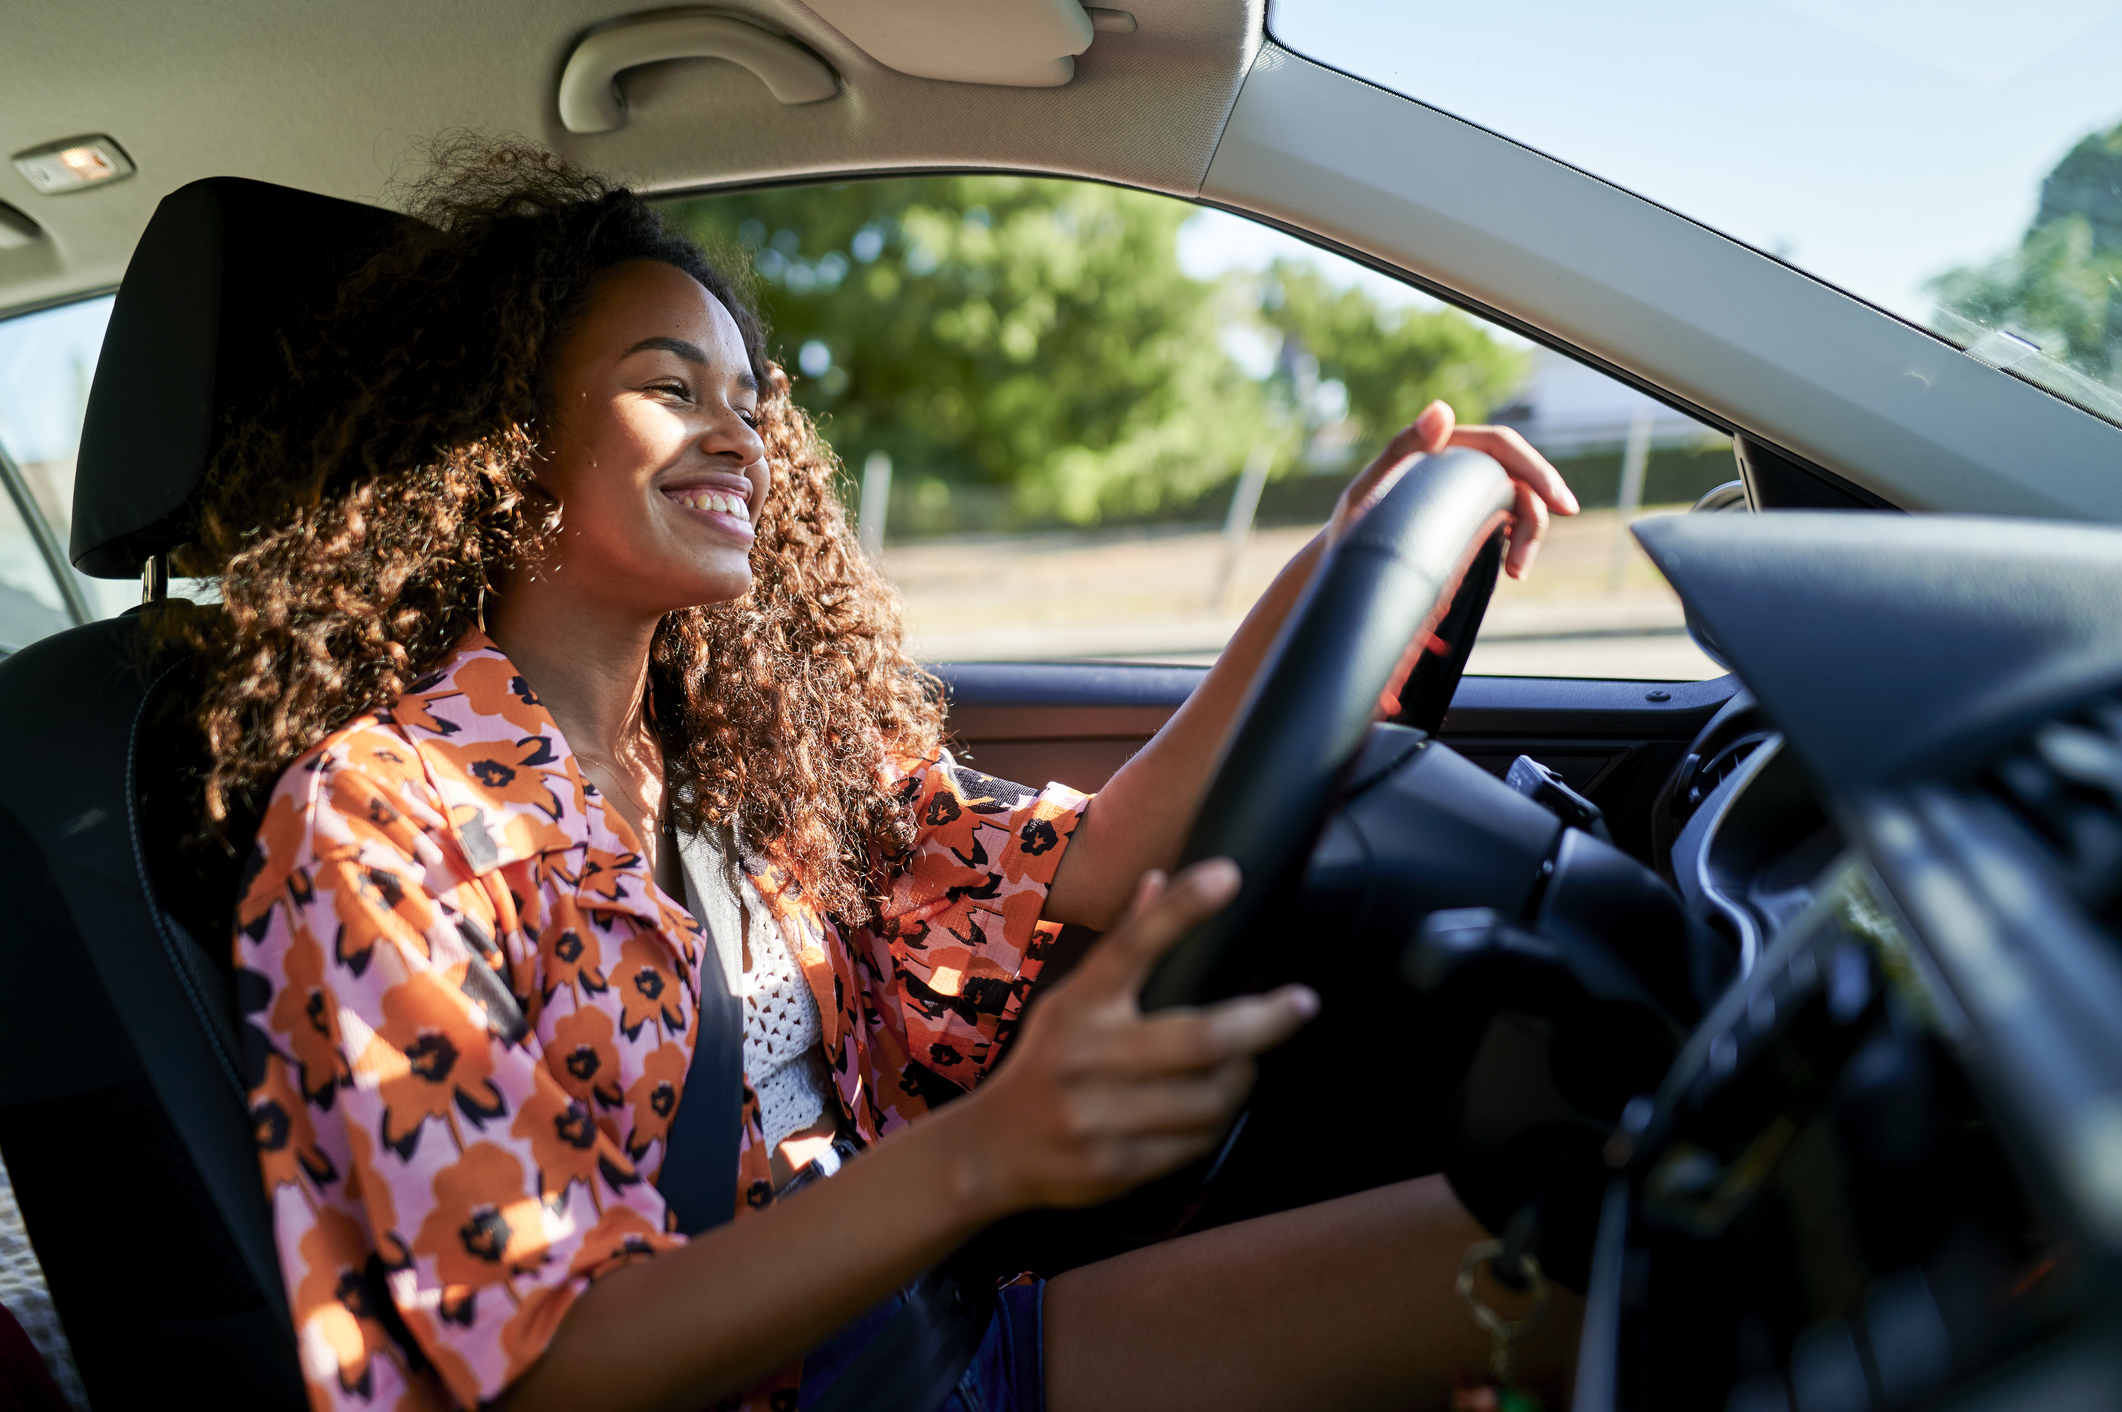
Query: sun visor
{"points": [[1019, 43], [1889, 647]]}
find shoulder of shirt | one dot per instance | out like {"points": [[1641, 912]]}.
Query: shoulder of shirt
{"points": [[370, 747], [897, 769]]}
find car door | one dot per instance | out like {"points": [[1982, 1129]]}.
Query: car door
{"points": [[1618, 742]]}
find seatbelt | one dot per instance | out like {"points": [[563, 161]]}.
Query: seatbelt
{"points": [[917, 1357], [699, 1175]]}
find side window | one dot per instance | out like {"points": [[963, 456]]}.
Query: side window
{"points": [[31, 602], [1593, 605], [47, 360], [1082, 422]]}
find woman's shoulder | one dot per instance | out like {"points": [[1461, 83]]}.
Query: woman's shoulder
{"points": [[363, 782], [941, 773], [371, 747], [465, 757], [379, 751]]}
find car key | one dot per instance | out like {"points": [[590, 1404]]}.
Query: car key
{"points": [[1498, 1391]]}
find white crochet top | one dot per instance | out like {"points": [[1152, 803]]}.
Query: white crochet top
{"points": [[784, 1059]]}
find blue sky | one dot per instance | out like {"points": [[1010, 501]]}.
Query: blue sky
{"points": [[1215, 241], [1875, 143]]}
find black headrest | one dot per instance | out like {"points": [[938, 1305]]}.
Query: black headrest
{"points": [[225, 267]]}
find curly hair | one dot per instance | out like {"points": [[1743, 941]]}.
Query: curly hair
{"points": [[358, 517]]}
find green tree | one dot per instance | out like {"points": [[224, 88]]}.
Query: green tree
{"points": [[1002, 331], [1390, 362], [2062, 288], [1037, 337]]}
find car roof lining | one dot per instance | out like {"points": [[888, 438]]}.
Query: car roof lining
{"points": [[258, 89], [338, 101]]}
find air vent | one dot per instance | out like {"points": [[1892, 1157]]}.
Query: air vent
{"points": [[1702, 780], [2065, 783]]}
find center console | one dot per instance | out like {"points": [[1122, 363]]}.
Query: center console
{"points": [[1886, 1170]]}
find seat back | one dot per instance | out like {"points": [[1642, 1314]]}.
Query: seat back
{"points": [[122, 1113], [123, 1079]]}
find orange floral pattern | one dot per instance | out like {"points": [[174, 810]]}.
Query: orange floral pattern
{"points": [[471, 1012]]}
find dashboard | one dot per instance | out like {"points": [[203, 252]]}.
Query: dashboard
{"points": [[1886, 1169]]}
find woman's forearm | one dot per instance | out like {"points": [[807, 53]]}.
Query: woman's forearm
{"points": [[684, 1328], [1140, 819]]}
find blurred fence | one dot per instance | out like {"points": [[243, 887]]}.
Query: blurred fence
{"points": [[925, 508]]}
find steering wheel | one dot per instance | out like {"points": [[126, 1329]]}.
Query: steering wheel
{"points": [[1384, 629], [1372, 623]]}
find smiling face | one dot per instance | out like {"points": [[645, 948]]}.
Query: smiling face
{"points": [[654, 456]]}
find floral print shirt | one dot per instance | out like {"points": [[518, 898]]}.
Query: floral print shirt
{"points": [[469, 1013]]}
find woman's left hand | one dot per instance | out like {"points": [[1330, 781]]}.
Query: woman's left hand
{"points": [[1539, 485]]}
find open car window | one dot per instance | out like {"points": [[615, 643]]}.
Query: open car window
{"points": [[1957, 165], [1081, 422]]}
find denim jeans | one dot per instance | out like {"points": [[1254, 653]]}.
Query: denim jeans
{"points": [[1007, 1373]]}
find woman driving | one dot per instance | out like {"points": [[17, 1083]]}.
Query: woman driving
{"points": [[617, 916]]}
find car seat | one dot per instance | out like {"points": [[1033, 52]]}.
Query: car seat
{"points": [[123, 1079]]}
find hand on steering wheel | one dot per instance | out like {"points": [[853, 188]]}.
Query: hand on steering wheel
{"points": [[1098, 1097], [1537, 485], [1382, 588]]}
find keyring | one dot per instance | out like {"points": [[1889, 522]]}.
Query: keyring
{"points": [[1503, 1332]]}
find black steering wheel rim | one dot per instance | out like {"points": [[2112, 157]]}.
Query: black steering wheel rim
{"points": [[1372, 605]]}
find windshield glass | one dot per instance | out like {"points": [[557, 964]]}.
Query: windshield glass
{"points": [[1957, 163]]}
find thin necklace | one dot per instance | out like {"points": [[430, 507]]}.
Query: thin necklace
{"points": [[616, 783]]}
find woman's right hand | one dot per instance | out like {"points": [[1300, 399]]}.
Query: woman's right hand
{"points": [[1097, 1097]]}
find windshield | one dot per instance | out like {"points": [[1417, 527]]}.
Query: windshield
{"points": [[1956, 163]]}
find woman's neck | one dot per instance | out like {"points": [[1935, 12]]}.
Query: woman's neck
{"points": [[589, 670], [591, 675]]}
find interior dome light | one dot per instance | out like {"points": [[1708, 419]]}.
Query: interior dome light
{"points": [[73, 163]]}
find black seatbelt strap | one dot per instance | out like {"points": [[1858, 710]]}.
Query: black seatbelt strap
{"points": [[699, 1176], [913, 1361]]}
